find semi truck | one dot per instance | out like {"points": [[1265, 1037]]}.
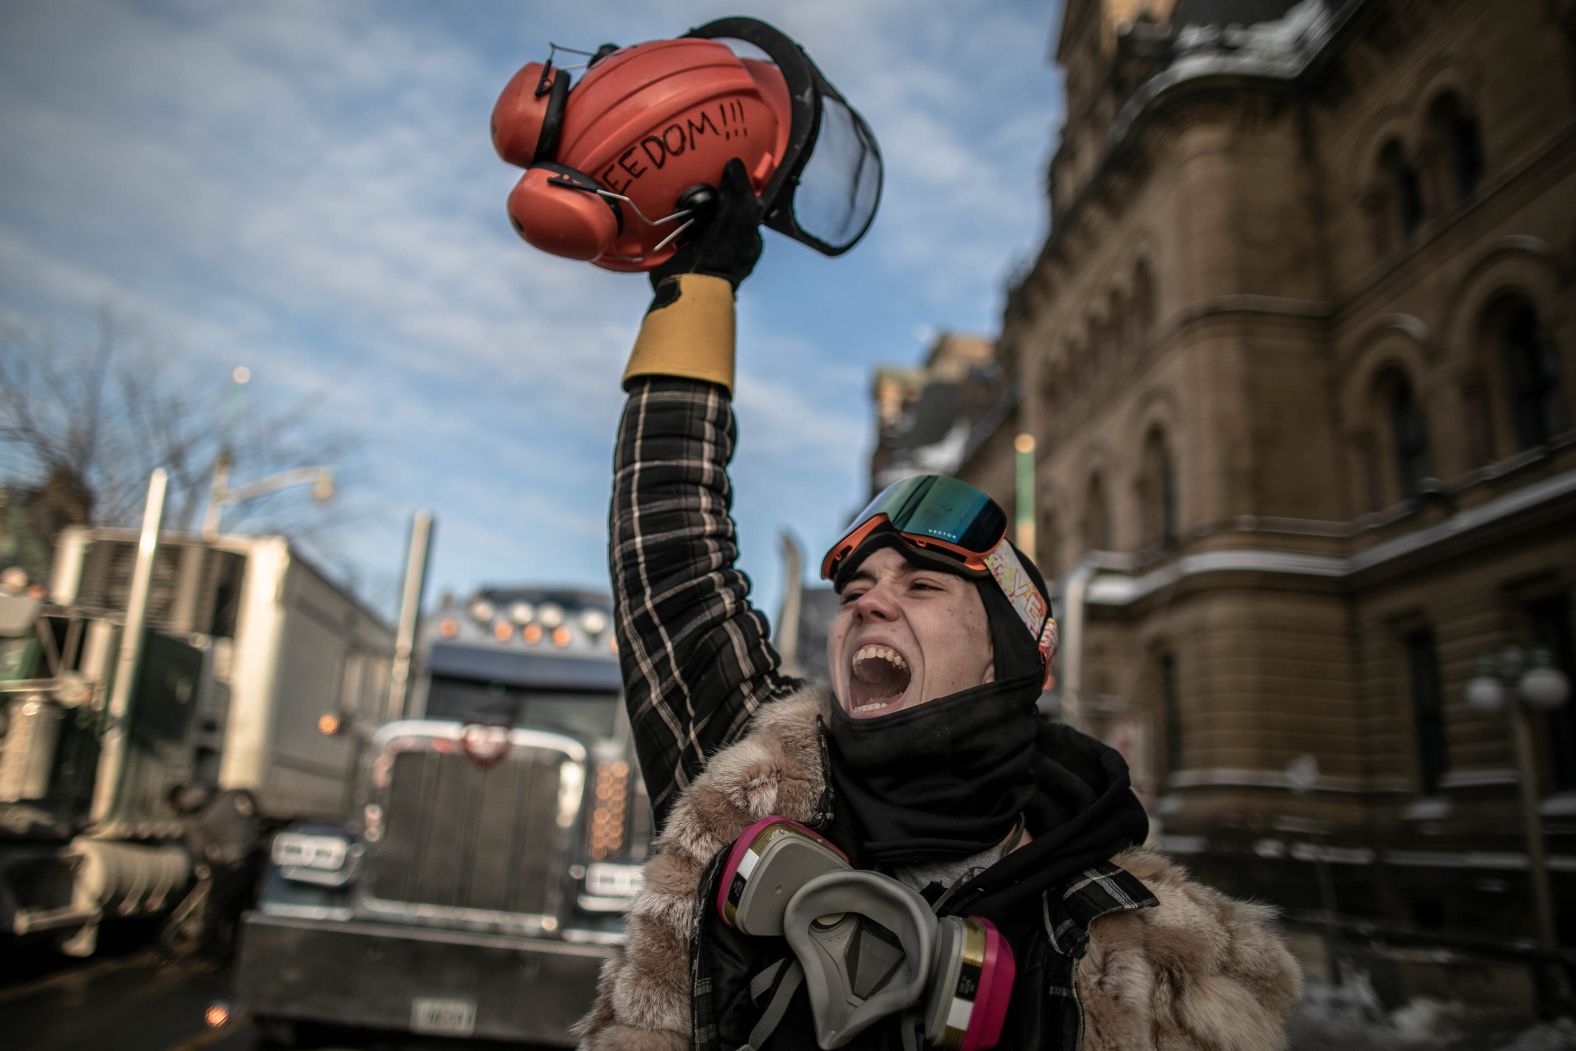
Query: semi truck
{"points": [[151, 662], [495, 841]]}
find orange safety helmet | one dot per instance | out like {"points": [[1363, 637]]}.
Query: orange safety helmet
{"points": [[619, 164]]}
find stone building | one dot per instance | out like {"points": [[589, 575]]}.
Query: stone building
{"points": [[924, 415], [1299, 354]]}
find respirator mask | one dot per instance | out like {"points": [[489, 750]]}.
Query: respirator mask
{"points": [[621, 162], [865, 946]]}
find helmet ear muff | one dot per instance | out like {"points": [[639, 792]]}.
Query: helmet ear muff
{"points": [[553, 119], [558, 210], [520, 114]]}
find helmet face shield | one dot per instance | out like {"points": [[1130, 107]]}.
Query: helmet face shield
{"points": [[827, 185], [839, 186]]}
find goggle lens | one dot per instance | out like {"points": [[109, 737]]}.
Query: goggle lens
{"points": [[962, 520]]}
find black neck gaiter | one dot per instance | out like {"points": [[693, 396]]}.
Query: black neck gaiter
{"points": [[946, 779]]}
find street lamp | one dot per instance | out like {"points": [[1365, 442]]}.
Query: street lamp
{"points": [[1522, 682], [220, 493]]}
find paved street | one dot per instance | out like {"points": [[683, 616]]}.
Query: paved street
{"points": [[122, 1000], [128, 999]]}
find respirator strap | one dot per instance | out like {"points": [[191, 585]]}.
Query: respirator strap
{"points": [[792, 973]]}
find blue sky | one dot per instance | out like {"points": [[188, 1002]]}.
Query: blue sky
{"points": [[308, 189]]}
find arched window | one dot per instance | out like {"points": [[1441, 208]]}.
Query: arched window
{"points": [[1117, 343], [1089, 361], [1170, 708], [1532, 369], [1456, 148], [1402, 190], [1048, 546], [1408, 432], [1142, 306], [1368, 468], [1097, 517], [1132, 328], [1050, 389], [1157, 491], [1428, 710]]}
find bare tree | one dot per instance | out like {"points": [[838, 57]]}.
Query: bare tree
{"points": [[82, 426]]}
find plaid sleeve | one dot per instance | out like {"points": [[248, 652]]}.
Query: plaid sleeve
{"points": [[694, 653]]}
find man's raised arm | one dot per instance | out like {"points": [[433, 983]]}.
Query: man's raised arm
{"points": [[695, 657]]}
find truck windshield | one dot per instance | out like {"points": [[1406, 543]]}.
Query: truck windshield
{"points": [[590, 713]]}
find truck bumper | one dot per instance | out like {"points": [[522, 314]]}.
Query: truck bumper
{"points": [[380, 976]]}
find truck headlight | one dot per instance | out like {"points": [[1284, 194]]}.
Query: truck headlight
{"points": [[312, 857]]}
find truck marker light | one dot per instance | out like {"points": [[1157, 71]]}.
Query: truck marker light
{"points": [[448, 627], [503, 631], [608, 815], [372, 822], [532, 633], [329, 724], [217, 1015], [561, 636]]}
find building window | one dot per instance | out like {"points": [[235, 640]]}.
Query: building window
{"points": [[1552, 629], [1368, 466], [1408, 431], [1171, 710], [1157, 491], [1050, 391], [1428, 710], [1144, 298], [1048, 546], [1532, 370], [1097, 517], [1480, 427], [1116, 334], [1132, 329], [1402, 189], [1457, 149]]}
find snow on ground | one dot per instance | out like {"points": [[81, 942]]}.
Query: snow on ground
{"points": [[1351, 1018]]}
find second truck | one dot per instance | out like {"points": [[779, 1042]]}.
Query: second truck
{"points": [[493, 842]]}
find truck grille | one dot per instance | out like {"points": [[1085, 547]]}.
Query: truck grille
{"points": [[465, 838]]}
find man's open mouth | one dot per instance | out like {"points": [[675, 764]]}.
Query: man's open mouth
{"points": [[880, 677]]}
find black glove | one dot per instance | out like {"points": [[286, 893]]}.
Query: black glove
{"points": [[727, 242]]}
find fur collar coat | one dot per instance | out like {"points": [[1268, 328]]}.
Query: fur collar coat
{"points": [[1197, 972]]}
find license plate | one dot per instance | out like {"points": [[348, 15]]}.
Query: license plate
{"points": [[442, 1016]]}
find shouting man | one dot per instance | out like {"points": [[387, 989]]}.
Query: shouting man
{"points": [[926, 760]]}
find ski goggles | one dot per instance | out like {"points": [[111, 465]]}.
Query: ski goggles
{"points": [[953, 525]]}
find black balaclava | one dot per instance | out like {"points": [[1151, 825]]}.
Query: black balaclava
{"points": [[950, 777]]}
